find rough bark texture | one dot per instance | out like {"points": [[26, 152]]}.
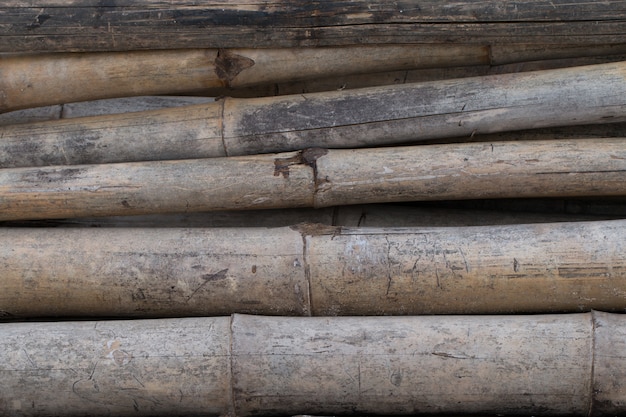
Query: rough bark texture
{"points": [[514, 365], [319, 270], [54, 25]]}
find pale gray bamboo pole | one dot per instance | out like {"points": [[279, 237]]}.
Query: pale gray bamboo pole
{"points": [[540, 364], [338, 119], [145, 368], [318, 178], [318, 270]]}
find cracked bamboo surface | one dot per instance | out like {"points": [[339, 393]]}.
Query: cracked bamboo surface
{"points": [[339, 119], [82, 25], [318, 178], [254, 365], [313, 270]]}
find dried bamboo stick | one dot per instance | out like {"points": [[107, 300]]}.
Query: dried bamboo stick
{"points": [[253, 365], [32, 80], [318, 178], [318, 270], [336, 82], [82, 25], [339, 119]]}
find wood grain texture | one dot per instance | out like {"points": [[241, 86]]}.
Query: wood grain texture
{"points": [[318, 178], [52, 25], [514, 365], [339, 119], [312, 270]]}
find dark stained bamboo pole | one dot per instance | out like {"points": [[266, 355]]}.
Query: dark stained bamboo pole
{"points": [[253, 365], [82, 25], [32, 80], [318, 178], [312, 270], [338, 119]]}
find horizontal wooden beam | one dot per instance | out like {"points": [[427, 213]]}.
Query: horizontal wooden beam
{"points": [[83, 25]]}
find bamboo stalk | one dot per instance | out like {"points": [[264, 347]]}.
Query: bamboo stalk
{"points": [[55, 25], [312, 270], [318, 178], [32, 80], [339, 119], [253, 365], [336, 82]]}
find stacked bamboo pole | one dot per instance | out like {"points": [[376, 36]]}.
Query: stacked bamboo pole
{"points": [[489, 133]]}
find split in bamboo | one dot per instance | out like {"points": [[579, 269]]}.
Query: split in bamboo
{"points": [[339, 119], [253, 365], [312, 270], [318, 178], [82, 25]]}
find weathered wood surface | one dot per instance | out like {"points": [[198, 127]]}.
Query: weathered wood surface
{"points": [[99, 108], [32, 80], [339, 119], [318, 178], [84, 25], [428, 56], [254, 365], [314, 269]]}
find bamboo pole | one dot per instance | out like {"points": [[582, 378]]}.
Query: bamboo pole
{"points": [[318, 178], [55, 25], [312, 270], [32, 80], [335, 82], [339, 119], [253, 365]]}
